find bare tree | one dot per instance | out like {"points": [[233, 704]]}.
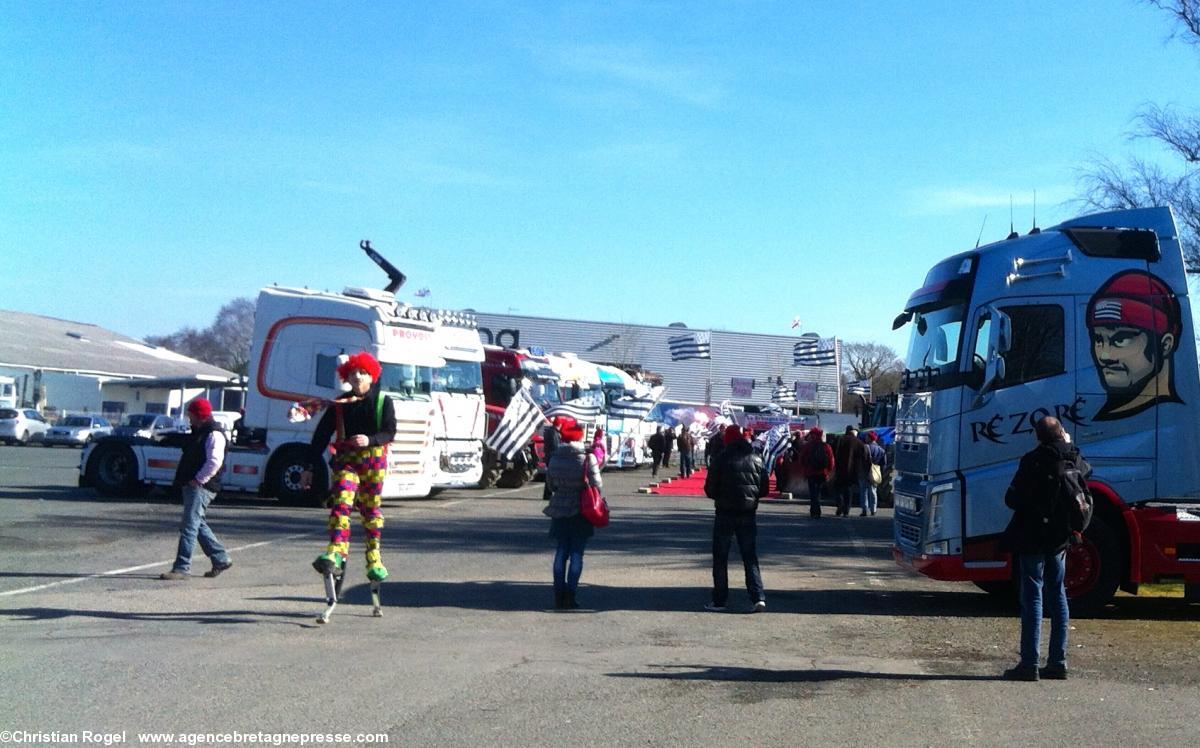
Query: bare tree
{"points": [[869, 360], [1106, 185], [224, 343]]}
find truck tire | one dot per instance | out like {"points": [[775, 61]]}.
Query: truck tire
{"points": [[113, 469], [1094, 569], [283, 477], [513, 478]]}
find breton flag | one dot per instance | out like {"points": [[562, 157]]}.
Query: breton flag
{"points": [[861, 387], [784, 394], [634, 407], [813, 350], [584, 409], [775, 442], [692, 345], [521, 418]]}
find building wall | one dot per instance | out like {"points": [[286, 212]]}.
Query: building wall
{"points": [[761, 358]]}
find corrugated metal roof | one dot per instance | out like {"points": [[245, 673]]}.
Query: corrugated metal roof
{"points": [[37, 342], [754, 356]]}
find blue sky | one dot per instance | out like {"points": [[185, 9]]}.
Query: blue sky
{"points": [[727, 165]]}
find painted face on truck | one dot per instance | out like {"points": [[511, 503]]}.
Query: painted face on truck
{"points": [[1134, 322]]}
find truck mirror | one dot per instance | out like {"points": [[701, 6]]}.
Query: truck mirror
{"points": [[901, 320], [999, 343]]}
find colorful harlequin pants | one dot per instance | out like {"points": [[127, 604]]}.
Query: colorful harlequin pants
{"points": [[357, 482]]}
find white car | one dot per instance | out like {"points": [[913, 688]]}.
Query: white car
{"points": [[148, 426], [77, 431], [22, 425]]}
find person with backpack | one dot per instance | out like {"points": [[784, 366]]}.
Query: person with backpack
{"points": [[816, 459], [1047, 517], [736, 480]]}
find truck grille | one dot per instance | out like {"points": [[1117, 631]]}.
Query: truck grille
{"points": [[908, 532]]}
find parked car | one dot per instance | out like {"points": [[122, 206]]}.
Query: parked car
{"points": [[76, 431], [22, 425], [148, 426]]}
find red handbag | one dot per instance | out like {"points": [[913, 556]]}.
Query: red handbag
{"points": [[591, 502]]}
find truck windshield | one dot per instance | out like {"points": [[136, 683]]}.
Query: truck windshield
{"points": [[936, 334], [407, 382], [544, 392], [458, 377]]}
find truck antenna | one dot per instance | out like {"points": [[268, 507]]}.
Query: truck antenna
{"points": [[1012, 233], [395, 277], [1035, 229], [980, 237]]}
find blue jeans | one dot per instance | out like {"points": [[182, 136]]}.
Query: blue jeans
{"points": [[193, 528], [725, 528], [868, 496], [1042, 576], [686, 464], [569, 550]]}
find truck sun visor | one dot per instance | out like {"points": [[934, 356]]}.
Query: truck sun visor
{"points": [[1132, 244]]}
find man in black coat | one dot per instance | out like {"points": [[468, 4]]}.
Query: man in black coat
{"points": [[655, 442], [1038, 535], [736, 480]]}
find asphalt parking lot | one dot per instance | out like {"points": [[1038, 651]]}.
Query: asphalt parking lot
{"points": [[851, 649]]}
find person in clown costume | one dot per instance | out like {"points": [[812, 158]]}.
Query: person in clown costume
{"points": [[360, 424]]}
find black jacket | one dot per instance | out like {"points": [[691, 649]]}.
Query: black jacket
{"points": [[1039, 522], [193, 456], [358, 417], [736, 479]]}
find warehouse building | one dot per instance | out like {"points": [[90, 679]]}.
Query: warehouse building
{"points": [[700, 366], [59, 366]]}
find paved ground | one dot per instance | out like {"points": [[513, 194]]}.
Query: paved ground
{"points": [[852, 650]]}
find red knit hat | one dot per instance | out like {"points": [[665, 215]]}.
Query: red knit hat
{"points": [[360, 361], [733, 432], [1137, 299], [200, 408]]}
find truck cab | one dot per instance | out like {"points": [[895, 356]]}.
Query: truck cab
{"points": [[505, 372], [460, 418], [1090, 322]]}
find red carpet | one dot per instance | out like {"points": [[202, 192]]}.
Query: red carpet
{"points": [[692, 486]]}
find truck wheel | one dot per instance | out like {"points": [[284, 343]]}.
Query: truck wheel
{"points": [[113, 469], [1094, 569], [512, 478], [283, 481]]}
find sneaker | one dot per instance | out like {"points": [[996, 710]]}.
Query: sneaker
{"points": [[1021, 672], [759, 606], [217, 569], [714, 608], [1053, 672], [173, 575], [862, 514]]}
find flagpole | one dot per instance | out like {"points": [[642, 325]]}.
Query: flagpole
{"points": [[708, 395]]}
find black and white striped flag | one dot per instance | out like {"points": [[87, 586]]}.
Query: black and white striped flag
{"points": [[584, 409], [813, 350], [635, 407], [861, 387], [692, 345], [773, 444], [516, 427], [784, 394]]}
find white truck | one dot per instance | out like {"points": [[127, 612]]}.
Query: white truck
{"points": [[8, 392], [460, 415], [298, 336]]}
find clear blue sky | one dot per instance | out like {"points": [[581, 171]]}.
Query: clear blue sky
{"points": [[727, 165]]}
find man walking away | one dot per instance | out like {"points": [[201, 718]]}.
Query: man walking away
{"points": [[816, 459], [655, 442], [736, 480], [851, 463], [687, 446], [198, 476], [868, 488], [1039, 534], [668, 445]]}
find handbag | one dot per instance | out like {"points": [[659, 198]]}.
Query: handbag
{"points": [[876, 475], [591, 502]]}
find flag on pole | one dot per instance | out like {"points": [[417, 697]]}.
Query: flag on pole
{"points": [[774, 442], [861, 387], [692, 345], [521, 418], [784, 394], [634, 407], [813, 350], [585, 408]]}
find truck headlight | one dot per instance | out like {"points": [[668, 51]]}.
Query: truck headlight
{"points": [[940, 548]]}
